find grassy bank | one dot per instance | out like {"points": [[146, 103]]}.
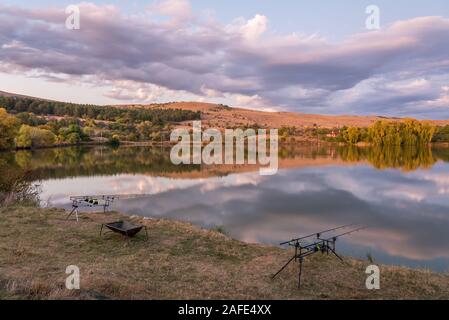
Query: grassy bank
{"points": [[180, 261]]}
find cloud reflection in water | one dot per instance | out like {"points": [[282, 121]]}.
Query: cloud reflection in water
{"points": [[408, 212]]}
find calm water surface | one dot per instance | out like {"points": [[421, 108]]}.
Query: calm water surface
{"points": [[402, 194]]}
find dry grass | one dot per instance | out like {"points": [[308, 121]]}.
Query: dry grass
{"points": [[215, 116], [179, 261]]}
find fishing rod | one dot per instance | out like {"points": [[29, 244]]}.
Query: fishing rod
{"points": [[321, 244], [98, 201], [334, 238], [326, 245], [110, 196], [315, 234]]}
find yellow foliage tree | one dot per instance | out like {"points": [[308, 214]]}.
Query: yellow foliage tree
{"points": [[410, 132], [352, 135], [30, 137], [9, 126]]}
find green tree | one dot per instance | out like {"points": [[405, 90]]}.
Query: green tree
{"points": [[72, 138]]}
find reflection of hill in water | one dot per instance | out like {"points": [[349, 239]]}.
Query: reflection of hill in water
{"points": [[100, 161], [97, 161]]}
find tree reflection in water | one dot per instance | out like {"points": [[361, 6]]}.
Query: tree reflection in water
{"points": [[100, 160]]}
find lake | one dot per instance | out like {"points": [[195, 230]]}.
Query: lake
{"points": [[401, 194]]}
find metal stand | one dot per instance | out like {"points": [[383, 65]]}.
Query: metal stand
{"points": [[74, 210], [300, 253], [90, 201], [325, 246]]}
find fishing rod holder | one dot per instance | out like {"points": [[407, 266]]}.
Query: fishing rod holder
{"points": [[323, 245], [103, 201]]}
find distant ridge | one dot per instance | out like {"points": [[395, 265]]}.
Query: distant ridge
{"points": [[10, 94], [221, 116]]}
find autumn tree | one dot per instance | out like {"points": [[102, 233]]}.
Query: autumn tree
{"points": [[9, 125], [352, 135], [31, 137], [410, 132]]}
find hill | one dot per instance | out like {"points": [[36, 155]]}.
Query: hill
{"points": [[221, 116], [216, 115], [16, 95]]}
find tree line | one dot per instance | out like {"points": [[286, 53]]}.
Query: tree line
{"points": [[31, 123], [409, 132], [107, 113], [16, 134]]}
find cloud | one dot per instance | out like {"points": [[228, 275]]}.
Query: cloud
{"points": [[398, 70], [136, 92], [178, 10], [210, 92], [253, 102], [255, 27]]}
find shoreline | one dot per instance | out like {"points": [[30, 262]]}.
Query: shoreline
{"points": [[179, 261], [168, 143]]}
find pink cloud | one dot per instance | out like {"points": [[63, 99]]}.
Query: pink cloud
{"points": [[240, 60]]}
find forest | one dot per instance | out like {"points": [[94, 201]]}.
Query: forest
{"points": [[38, 107], [30, 123]]}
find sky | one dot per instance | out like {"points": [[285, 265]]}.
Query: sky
{"points": [[304, 56]]}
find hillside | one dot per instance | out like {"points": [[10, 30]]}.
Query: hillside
{"points": [[10, 94], [219, 116], [214, 115]]}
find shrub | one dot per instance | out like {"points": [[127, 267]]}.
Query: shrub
{"points": [[114, 140]]}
